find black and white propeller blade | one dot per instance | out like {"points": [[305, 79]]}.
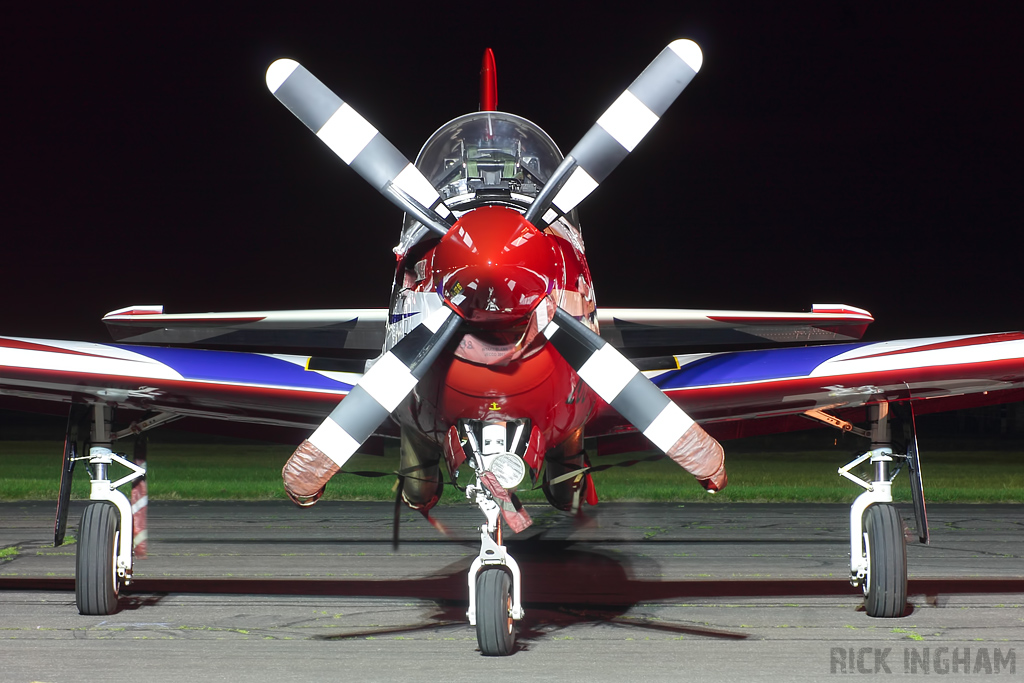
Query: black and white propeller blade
{"points": [[617, 132], [378, 393], [620, 384], [358, 143]]}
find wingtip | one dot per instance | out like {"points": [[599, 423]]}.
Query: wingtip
{"points": [[278, 73], [689, 52], [145, 309], [841, 309]]}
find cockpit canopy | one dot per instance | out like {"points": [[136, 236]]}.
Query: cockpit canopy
{"points": [[488, 154]]}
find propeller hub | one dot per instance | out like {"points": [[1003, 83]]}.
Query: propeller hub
{"points": [[494, 267]]}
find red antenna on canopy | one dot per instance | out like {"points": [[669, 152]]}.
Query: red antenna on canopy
{"points": [[488, 83]]}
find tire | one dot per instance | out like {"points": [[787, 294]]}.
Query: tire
{"points": [[97, 585], [885, 587], [495, 629]]}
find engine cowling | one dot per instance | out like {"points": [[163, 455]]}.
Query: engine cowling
{"points": [[494, 268]]}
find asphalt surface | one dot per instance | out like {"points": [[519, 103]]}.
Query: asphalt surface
{"points": [[268, 592]]}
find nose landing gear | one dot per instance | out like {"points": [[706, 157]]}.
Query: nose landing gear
{"points": [[495, 582]]}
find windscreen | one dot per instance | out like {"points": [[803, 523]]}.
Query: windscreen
{"points": [[488, 151]]}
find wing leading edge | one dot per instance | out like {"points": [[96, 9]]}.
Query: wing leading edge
{"points": [[364, 328], [649, 327], [327, 329]]}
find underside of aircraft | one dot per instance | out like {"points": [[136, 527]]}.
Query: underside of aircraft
{"points": [[493, 366]]}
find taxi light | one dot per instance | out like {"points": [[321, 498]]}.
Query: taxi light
{"points": [[509, 469]]}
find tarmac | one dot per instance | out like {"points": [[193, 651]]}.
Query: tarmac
{"points": [[648, 591]]}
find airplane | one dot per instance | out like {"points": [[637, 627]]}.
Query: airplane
{"points": [[493, 365]]}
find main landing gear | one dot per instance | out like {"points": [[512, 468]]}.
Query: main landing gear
{"points": [[103, 563], [104, 558], [878, 551]]}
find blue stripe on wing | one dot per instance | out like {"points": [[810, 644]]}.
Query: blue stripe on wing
{"points": [[751, 366], [241, 368]]}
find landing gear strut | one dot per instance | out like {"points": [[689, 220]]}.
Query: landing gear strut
{"points": [[103, 563], [878, 553], [105, 537], [495, 582], [878, 548]]}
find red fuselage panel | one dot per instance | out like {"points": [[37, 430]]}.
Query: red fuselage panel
{"points": [[496, 270], [542, 388]]}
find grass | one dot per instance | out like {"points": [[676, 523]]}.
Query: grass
{"points": [[29, 470]]}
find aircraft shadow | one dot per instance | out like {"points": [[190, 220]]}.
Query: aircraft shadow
{"points": [[565, 583], [562, 586]]}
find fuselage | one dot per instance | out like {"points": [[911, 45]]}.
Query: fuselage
{"points": [[504, 278]]}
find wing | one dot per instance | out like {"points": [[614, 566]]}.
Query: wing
{"points": [[647, 327], [747, 393], [327, 329], [731, 394], [255, 388]]}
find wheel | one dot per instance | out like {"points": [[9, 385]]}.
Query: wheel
{"points": [[885, 586], [495, 628], [96, 582]]}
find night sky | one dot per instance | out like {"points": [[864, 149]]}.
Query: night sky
{"points": [[826, 152]]}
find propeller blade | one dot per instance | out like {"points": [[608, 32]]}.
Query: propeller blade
{"points": [[378, 393], [358, 143], [622, 386], [617, 132]]}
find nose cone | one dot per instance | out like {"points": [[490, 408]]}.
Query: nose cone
{"points": [[494, 267]]}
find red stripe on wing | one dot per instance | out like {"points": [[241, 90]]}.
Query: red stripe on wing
{"points": [[757, 320], [140, 319], [31, 346], [956, 343]]}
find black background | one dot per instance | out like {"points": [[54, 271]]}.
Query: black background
{"points": [[826, 152]]}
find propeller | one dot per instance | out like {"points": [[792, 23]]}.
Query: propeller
{"points": [[507, 242], [383, 387], [358, 143], [619, 130]]}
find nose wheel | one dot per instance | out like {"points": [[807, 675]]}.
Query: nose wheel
{"points": [[495, 627], [494, 589]]}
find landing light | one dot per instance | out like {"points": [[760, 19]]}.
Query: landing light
{"points": [[509, 469]]}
